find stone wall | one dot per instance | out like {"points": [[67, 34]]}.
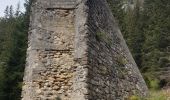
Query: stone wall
{"points": [[76, 52], [113, 74], [51, 68]]}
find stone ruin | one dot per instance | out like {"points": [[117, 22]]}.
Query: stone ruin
{"points": [[77, 52]]}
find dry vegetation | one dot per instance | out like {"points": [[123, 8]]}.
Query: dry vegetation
{"points": [[155, 95]]}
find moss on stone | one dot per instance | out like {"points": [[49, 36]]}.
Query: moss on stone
{"points": [[101, 36]]}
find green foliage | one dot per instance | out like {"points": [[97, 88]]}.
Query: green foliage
{"points": [[133, 97], [154, 84], [146, 30], [13, 44], [164, 61]]}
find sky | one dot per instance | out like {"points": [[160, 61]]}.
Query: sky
{"points": [[4, 3]]}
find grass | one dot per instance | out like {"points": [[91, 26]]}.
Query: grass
{"points": [[159, 95], [154, 95]]}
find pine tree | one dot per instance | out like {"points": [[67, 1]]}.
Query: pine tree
{"points": [[17, 10], [11, 12], [6, 12], [13, 42], [146, 29]]}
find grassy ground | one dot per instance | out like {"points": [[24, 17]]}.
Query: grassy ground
{"points": [[155, 95], [159, 95]]}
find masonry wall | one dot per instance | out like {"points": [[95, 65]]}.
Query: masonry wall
{"points": [[53, 70], [113, 73], [76, 52]]}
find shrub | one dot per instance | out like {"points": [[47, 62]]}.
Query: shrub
{"points": [[154, 84]]}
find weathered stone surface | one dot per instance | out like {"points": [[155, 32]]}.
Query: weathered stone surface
{"points": [[76, 52]]}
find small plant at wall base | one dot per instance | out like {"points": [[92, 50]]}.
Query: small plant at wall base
{"points": [[151, 81], [133, 97]]}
